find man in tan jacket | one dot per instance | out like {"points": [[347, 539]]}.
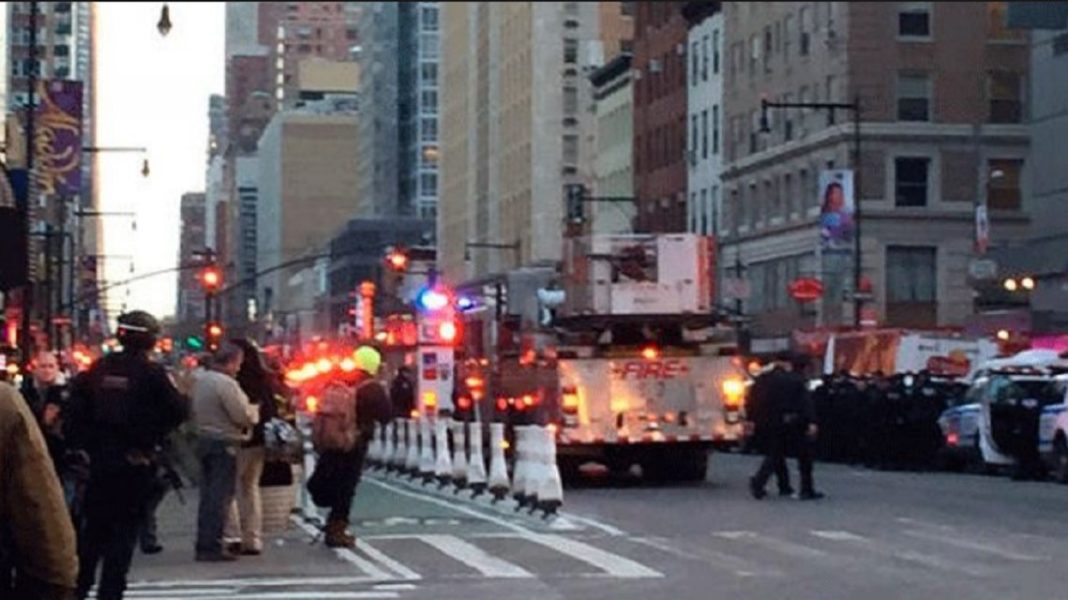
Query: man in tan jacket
{"points": [[38, 558]]}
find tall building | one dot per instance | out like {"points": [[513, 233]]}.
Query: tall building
{"points": [[941, 90], [190, 307], [704, 110], [306, 193], [613, 165], [399, 108], [660, 41], [515, 127]]}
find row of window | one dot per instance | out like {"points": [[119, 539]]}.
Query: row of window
{"points": [[1004, 93], [699, 62], [660, 147], [699, 136], [703, 217]]}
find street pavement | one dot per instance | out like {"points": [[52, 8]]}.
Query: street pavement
{"points": [[877, 535]]}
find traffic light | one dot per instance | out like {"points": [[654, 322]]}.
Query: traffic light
{"points": [[575, 196], [211, 279], [193, 342], [213, 333], [397, 260]]}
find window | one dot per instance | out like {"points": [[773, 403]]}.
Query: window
{"points": [[803, 24], [428, 130], [715, 129], [703, 210], [1003, 191], [1004, 91], [430, 18], [913, 96], [787, 34], [429, 101], [693, 64], [428, 73], [428, 184], [704, 58], [693, 138], [716, 51], [428, 46], [570, 51], [570, 100], [693, 212], [910, 181], [767, 49], [832, 96], [910, 274], [704, 134], [754, 54], [571, 149], [914, 20]]}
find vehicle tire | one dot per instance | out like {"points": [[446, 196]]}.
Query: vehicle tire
{"points": [[570, 468], [1060, 459], [688, 466]]}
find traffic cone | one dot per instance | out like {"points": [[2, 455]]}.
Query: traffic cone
{"points": [[551, 490], [443, 460], [498, 475], [411, 459], [476, 465], [426, 451], [459, 455]]}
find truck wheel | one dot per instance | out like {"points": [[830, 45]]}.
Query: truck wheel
{"points": [[1060, 460], [676, 466]]}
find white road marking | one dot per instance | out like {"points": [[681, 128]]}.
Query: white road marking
{"points": [[396, 587], [922, 559], [779, 545], [613, 564], [348, 555], [594, 523], [476, 558], [290, 595], [728, 562], [249, 582], [958, 542], [450, 505], [387, 562]]}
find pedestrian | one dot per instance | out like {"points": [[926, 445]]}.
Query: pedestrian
{"points": [[402, 393], [790, 423], [343, 467], [121, 409], [38, 557], [224, 418], [764, 409], [149, 537], [47, 395], [244, 525]]}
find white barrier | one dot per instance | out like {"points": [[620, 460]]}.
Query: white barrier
{"points": [[476, 465], [425, 467], [522, 475], [374, 450], [411, 460], [498, 475], [459, 455], [550, 491], [442, 459], [390, 448]]}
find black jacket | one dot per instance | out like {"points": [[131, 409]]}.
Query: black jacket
{"points": [[779, 398], [59, 396]]}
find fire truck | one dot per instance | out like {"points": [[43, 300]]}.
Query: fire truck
{"points": [[633, 369]]}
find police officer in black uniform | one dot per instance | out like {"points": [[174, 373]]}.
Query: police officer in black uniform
{"points": [[121, 410]]}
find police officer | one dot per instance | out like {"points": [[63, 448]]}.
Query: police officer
{"points": [[121, 410]]}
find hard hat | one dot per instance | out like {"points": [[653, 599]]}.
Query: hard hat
{"points": [[368, 359]]}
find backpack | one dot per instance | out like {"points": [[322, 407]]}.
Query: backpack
{"points": [[334, 427]]}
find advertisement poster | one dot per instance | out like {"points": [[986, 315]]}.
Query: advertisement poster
{"points": [[837, 225], [58, 138]]}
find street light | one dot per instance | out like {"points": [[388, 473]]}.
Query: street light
{"points": [[164, 25]]}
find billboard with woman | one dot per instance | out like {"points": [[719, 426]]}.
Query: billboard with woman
{"points": [[837, 226]]}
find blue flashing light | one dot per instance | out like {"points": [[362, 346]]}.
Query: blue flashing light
{"points": [[464, 303], [431, 300]]}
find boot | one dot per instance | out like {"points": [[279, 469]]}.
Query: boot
{"points": [[337, 537]]}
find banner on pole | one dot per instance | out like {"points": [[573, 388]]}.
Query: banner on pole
{"points": [[837, 209], [58, 138]]}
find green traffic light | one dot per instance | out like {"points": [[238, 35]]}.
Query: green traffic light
{"points": [[194, 343]]}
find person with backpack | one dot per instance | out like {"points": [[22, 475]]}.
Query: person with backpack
{"points": [[341, 433]]}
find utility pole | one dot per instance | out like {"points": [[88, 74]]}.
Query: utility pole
{"points": [[25, 343]]}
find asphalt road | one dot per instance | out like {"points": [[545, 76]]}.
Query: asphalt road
{"points": [[877, 535]]}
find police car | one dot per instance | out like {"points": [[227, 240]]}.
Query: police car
{"points": [[982, 426], [1053, 439]]}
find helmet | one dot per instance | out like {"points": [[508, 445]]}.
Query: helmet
{"points": [[368, 359], [138, 330]]}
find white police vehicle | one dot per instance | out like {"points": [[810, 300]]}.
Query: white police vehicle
{"points": [[979, 428]]}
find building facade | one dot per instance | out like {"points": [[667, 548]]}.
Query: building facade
{"points": [[704, 110], [190, 303], [515, 127], [613, 165], [940, 87], [307, 183], [660, 92]]}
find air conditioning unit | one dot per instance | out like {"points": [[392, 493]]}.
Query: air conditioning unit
{"points": [[654, 66]]}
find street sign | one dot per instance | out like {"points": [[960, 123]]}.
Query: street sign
{"points": [[983, 269], [806, 289]]}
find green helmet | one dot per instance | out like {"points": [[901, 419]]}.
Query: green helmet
{"points": [[368, 360]]}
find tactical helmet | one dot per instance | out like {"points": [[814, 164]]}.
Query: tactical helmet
{"points": [[138, 330]]}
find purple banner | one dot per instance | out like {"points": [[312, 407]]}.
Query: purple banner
{"points": [[58, 138]]}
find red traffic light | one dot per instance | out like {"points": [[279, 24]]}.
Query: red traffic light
{"points": [[211, 278], [397, 260]]}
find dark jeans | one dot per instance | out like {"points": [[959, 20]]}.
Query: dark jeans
{"points": [[218, 477], [777, 445], [774, 446], [115, 503], [348, 470]]}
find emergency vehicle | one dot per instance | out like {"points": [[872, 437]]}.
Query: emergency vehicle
{"points": [[633, 370]]}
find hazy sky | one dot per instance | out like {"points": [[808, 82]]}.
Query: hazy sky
{"points": [[153, 92]]}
